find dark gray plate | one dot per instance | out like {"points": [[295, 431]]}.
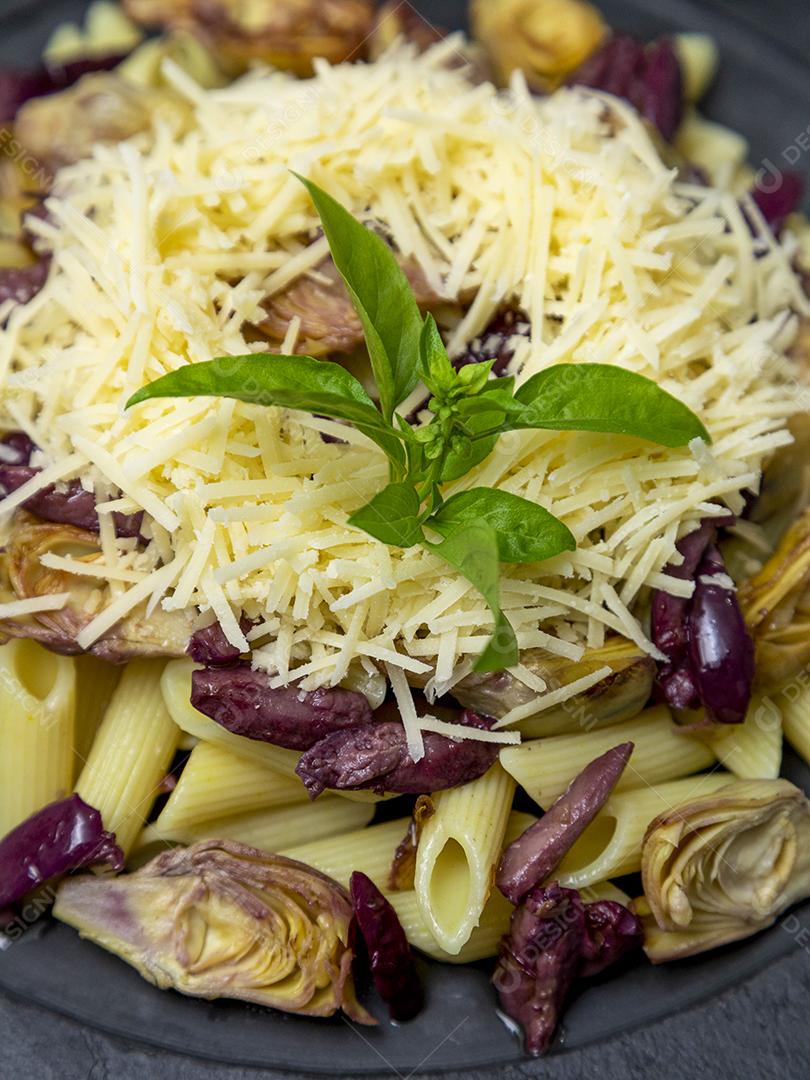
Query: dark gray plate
{"points": [[765, 93]]}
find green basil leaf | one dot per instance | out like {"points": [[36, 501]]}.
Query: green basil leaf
{"points": [[293, 382], [438, 374], [473, 551], [473, 378], [458, 463], [526, 532], [392, 516], [602, 397], [382, 297]]}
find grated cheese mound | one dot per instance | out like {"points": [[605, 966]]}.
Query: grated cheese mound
{"points": [[165, 246]]}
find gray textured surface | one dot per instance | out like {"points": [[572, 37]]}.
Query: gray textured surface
{"points": [[757, 1031]]}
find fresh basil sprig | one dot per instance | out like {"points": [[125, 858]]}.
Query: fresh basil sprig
{"points": [[476, 530]]}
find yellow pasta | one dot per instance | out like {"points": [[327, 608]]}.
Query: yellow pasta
{"points": [[95, 682], [37, 711], [545, 767], [216, 783], [794, 703], [486, 937], [271, 829], [482, 942], [458, 851], [176, 686], [369, 850], [131, 752], [751, 750], [611, 845]]}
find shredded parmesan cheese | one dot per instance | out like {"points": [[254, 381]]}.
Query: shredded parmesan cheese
{"points": [[164, 248]]}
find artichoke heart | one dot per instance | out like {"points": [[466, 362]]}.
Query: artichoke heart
{"points": [[288, 34], [723, 867], [545, 39], [621, 694], [23, 576], [776, 606], [62, 128], [220, 919]]}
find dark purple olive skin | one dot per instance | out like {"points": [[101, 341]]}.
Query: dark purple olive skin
{"points": [[530, 859], [555, 939], [17, 87], [781, 198], [648, 76], [243, 701], [611, 931], [73, 506], [389, 955], [668, 617], [710, 654], [720, 648], [22, 283], [210, 646], [539, 962], [375, 757], [64, 835]]}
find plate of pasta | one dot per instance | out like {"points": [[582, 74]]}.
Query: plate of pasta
{"points": [[404, 445]]}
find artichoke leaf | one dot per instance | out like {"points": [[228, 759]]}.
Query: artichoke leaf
{"points": [[776, 607], [545, 39], [221, 919], [723, 867], [617, 697], [22, 577], [287, 34]]}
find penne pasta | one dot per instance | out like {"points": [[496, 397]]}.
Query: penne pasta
{"points": [[482, 942], [458, 851], [493, 924], [37, 714], [96, 681], [794, 704], [273, 828], [545, 767], [131, 753], [751, 750], [611, 845], [176, 687], [216, 783], [370, 850]]}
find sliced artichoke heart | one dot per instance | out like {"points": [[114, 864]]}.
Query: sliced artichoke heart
{"points": [[545, 39], [724, 866], [618, 696], [220, 919], [23, 576], [776, 606]]}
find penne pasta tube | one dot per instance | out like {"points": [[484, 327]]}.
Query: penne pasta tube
{"points": [[485, 939], [370, 850], [458, 851], [95, 682], [37, 714], [611, 845], [751, 750], [545, 767], [131, 753], [274, 828], [794, 704], [216, 783], [176, 687]]}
